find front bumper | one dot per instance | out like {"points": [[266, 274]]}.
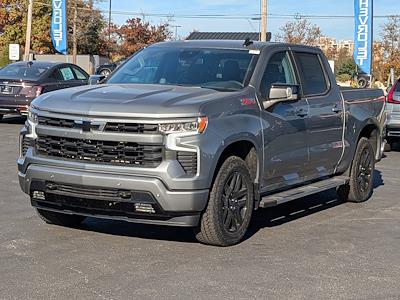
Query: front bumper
{"points": [[178, 208]]}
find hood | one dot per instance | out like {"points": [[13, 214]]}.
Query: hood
{"points": [[128, 100]]}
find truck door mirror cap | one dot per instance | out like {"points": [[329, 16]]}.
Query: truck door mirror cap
{"points": [[284, 92], [281, 93], [96, 79]]}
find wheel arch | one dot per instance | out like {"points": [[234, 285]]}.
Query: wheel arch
{"points": [[371, 131], [246, 149]]}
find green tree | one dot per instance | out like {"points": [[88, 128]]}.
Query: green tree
{"points": [[347, 67], [90, 24], [13, 25]]}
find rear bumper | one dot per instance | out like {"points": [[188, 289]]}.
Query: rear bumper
{"points": [[14, 105], [13, 109], [393, 130], [177, 208], [392, 122]]}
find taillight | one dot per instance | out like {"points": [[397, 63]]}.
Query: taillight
{"points": [[389, 98], [31, 91]]}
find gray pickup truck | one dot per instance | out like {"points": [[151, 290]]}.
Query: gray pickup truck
{"points": [[201, 134]]}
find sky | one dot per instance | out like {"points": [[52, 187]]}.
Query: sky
{"points": [[340, 29]]}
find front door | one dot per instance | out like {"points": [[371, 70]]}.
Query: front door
{"points": [[285, 130]]}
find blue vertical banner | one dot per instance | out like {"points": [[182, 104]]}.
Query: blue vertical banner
{"points": [[363, 37], [59, 26]]}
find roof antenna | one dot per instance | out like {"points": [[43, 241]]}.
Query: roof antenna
{"points": [[247, 42]]}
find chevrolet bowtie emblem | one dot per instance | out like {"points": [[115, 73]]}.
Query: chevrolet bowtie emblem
{"points": [[86, 126]]}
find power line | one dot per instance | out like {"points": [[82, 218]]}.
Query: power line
{"points": [[254, 16]]}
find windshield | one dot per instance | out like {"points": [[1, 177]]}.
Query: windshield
{"points": [[220, 69], [22, 71]]}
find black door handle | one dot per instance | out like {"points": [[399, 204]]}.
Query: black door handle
{"points": [[301, 112], [337, 109]]}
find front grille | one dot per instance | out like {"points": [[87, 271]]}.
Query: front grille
{"points": [[108, 152], [188, 161], [56, 122], [109, 127], [94, 201], [99, 193], [131, 128]]}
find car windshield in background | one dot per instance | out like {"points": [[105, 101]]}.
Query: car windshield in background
{"points": [[23, 71], [220, 69]]}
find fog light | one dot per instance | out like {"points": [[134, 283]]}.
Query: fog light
{"points": [[38, 195], [144, 208]]}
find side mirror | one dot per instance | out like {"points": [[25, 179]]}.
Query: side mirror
{"points": [[96, 79], [281, 93]]}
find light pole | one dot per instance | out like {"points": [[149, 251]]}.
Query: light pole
{"points": [[176, 31], [264, 8], [28, 31]]}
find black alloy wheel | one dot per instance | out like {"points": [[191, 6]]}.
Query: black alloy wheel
{"points": [[234, 202]]}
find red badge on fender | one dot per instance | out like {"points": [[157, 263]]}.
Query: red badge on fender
{"points": [[247, 101]]}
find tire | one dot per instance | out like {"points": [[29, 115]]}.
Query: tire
{"points": [[60, 219], [1, 117], [362, 82], [360, 186], [230, 206], [388, 146], [105, 72]]}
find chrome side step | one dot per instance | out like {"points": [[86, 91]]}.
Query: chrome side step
{"points": [[293, 194]]}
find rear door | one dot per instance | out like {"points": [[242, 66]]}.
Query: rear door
{"points": [[325, 120], [67, 77], [285, 131]]}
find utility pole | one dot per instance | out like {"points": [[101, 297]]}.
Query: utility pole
{"points": [[28, 31], [74, 39], [264, 20], [109, 22], [176, 31]]}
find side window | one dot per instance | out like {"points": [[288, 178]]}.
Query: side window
{"points": [[67, 74], [79, 74], [311, 73], [278, 70], [55, 75]]}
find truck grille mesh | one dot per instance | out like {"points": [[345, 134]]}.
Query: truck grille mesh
{"points": [[109, 127], [109, 152]]}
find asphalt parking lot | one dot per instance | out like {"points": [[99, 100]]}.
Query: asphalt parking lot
{"points": [[313, 248]]}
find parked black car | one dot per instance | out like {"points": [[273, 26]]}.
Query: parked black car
{"points": [[106, 70], [22, 82]]}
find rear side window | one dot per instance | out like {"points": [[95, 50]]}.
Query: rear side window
{"points": [[397, 88], [314, 81], [79, 74]]}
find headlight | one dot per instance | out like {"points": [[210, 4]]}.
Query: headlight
{"points": [[32, 117], [195, 126]]}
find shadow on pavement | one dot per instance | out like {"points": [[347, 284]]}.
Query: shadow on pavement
{"points": [[262, 218], [14, 120]]}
